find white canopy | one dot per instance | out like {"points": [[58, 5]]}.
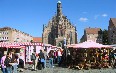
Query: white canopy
{"points": [[89, 44]]}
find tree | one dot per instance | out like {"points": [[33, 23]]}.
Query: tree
{"points": [[31, 41], [105, 37]]}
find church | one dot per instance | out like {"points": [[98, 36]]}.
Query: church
{"points": [[59, 31]]}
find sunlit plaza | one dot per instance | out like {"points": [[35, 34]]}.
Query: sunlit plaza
{"points": [[57, 36]]}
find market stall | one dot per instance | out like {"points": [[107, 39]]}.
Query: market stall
{"points": [[9, 47], [31, 48], [25, 48], [91, 52]]}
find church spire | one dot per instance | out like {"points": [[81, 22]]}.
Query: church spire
{"points": [[43, 27], [59, 8]]}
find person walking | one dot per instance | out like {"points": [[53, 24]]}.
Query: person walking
{"points": [[69, 60], [33, 59], [1, 55], [59, 57], [14, 60], [42, 58], [7, 63], [21, 62], [45, 55], [39, 65], [51, 58], [2, 62]]}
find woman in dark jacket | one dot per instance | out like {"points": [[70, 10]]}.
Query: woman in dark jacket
{"points": [[51, 58], [69, 60]]}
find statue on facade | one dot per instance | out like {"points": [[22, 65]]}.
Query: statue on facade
{"points": [[61, 31]]}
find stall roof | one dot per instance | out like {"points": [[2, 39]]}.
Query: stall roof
{"points": [[16, 44], [89, 44]]}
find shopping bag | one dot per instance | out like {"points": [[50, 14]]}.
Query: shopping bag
{"points": [[42, 60]]}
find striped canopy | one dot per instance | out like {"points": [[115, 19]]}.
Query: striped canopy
{"points": [[18, 45], [89, 44]]}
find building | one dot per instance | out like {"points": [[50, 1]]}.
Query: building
{"points": [[112, 31], [59, 30], [37, 39], [8, 34], [94, 34]]}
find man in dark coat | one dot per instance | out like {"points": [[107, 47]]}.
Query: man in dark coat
{"points": [[42, 58]]}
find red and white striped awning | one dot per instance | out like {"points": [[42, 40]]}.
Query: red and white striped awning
{"points": [[14, 46], [18, 45], [31, 44], [10, 45], [3, 44]]}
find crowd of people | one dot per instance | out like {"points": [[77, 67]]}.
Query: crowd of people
{"points": [[40, 60], [10, 61], [78, 59]]}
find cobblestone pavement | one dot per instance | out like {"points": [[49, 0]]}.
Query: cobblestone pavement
{"points": [[66, 70]]}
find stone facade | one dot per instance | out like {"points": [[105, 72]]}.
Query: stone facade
{"points": [[94, 34], [8, 34], [59, 30], [112, 31]]}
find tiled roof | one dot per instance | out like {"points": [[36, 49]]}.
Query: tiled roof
{"points": [[37, 39], [92, 30], [9, 28], [5, 28], [113, 21]]}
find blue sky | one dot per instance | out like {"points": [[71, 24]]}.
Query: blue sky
{"points": [[30, 15]]}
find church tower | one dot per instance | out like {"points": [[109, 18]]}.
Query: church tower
{"points": [[59, 29], [59, 8]]}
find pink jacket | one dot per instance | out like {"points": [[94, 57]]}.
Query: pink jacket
{"points": [[2, 61]]}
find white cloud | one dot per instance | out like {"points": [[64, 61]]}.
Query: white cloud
{"points": [[104, 15], [99, 15], [83, 19]]}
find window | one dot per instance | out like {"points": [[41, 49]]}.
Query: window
{"points": [[6, 32], [2, 32], [89, 36]]}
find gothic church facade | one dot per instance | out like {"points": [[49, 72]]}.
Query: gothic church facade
{"points": [[59, 30]]}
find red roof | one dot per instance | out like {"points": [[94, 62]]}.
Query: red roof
{"points": [[37, 39], [92, 30]]}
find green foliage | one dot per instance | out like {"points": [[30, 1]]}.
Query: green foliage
{"points": [[105, 37], [31, 41]]}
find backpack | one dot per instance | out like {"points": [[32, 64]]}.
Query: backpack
{"points": [[33, 57], [41, 54], [7, 61]]}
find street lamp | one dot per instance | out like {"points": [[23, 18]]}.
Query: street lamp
{"points": [[65, 42], [65, 48]]}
